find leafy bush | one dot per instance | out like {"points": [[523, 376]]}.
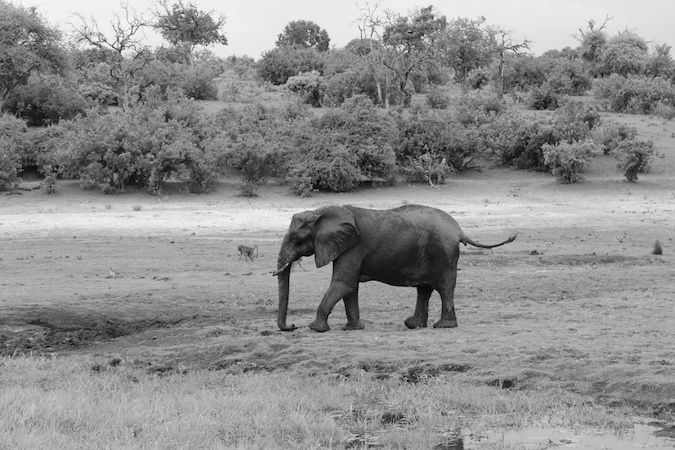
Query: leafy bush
{"points": [[279, 64], [574, 111], [12, 144], [310, 86], [609, 135], [428, 168], [476, 107], [543, 97], [437, 99], [345, 147], [325, 166], [514, 139], [144, 146], [568, 76], [664, 111], [45, 99], [635, 156], [253, 157], [634, 94], [424, 133], [567, 160], [479, 77], [198, 82], [366, 132]]}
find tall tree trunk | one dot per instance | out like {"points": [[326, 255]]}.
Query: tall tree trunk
{"points": [[500, 88]]}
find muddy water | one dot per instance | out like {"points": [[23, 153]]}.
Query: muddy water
{"points": [[642, 436]]}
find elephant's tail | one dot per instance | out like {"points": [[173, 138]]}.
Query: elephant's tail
{"points": [[464, 239]]}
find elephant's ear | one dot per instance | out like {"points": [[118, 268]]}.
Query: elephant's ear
{"points": [[335, 233]]}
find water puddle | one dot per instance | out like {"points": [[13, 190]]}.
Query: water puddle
{"points": [[641, 437]]}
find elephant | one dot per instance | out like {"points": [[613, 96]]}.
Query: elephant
{"points": [[412, 245]]}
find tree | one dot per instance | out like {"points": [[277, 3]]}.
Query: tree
{"points": [[410, 43], [279, 64], [626, 54], [122, 52], [27, 44], [369, 26], [303, 33], [184, 25], [468, 44], [660, 62], [506, 44], [593, 41]]}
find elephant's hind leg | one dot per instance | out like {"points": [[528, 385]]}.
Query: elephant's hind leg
{"points": [[351, 302], [419, 317], [448, 318]]}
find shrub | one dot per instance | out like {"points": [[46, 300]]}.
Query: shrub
{"points": [[437, 99], [516, 140], [635, 156], [366, 133], [325, 166], [479, 77], [198, 82], [279, 64], [425, 133], [310, 86], [543, 97], [428, 168], [49, 181], [513, 139], [574, 111], [144, 146], [46, 99], [634, 94], [567, 160], [343, 148], [609, 135], [12, 144], [253, 158], [476, 107], [568, 76], [664, 111]]}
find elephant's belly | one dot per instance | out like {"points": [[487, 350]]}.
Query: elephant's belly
{"points": [[396, 279]]}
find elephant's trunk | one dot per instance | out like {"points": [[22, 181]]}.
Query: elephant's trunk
{"points": [[284, 274]]}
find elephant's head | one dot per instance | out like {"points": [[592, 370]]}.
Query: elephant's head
{"points": [[325, 233]]}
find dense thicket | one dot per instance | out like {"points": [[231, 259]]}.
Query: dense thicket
{"points": [[368, 130]]}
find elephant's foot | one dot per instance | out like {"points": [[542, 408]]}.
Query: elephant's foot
{"points": [[353, 326], [446, 323], [319, 325], [413, 322]]}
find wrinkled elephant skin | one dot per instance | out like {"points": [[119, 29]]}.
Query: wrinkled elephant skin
{"points": [[408, 246]]}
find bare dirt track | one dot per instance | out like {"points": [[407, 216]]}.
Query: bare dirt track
{"points": [[577, 304]]}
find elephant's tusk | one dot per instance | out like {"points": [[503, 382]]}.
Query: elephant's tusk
{"points": [[278, 271]]}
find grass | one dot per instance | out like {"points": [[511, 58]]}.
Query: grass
{"points": [[72, 402]]}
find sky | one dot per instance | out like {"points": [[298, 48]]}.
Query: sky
{"points": [[252, 26]]}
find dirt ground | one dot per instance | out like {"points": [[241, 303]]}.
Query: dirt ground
{"points": [[576, 304]]}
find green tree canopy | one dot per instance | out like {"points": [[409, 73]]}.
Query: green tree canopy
{"points": [[468, 44], [626, 54], [411, 42], [27, 44], [304, 33], [185, 24]]}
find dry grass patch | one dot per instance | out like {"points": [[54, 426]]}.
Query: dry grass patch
{"points": [[76, 402]]}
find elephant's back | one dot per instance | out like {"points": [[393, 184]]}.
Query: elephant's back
{"points": [[426, 215]]}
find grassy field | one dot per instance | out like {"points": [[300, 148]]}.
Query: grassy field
{"points": [[131, 321]]}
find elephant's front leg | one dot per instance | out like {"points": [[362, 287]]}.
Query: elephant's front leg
{"points": [[351, 302], [344, 282], [336, 291]]}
